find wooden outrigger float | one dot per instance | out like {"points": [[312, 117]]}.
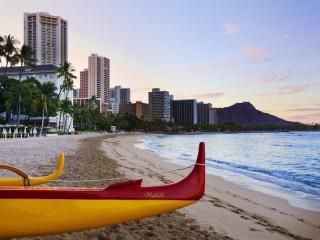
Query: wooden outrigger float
{"points": [[31, 211], [25, 180]]}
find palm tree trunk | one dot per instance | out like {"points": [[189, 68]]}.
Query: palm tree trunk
{"points": [[18, 109], [6, 67], [19, 97], [42, 120], [65, 123], [69, 125]]}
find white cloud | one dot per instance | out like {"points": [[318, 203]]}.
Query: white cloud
{"points": [[256, 54], [231, 28]]}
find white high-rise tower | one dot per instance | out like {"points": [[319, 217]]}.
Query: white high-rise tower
{"points": [[47, 35]]}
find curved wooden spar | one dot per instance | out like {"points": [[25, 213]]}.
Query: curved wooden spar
{"points": [[25, 180], [31, 211]]}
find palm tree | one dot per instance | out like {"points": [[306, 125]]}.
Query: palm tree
{"points": [[66, 108], [9, 49], [8, 98], [47, 95], [66, 72], [1, 47], [26, 58]]}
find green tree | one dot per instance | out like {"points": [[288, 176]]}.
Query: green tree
{"points": [[26, 58], [66, 108], [1, 48], [47, 96], [8, 97], [9, 49], [65, 71]]}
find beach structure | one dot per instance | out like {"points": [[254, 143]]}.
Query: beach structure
{"points": [[76, 93], [138, 109], [43, 73], [118, 96], [99, 77], [87, 102], [125, 96], [213, 116], [59, 210], [84, 81], [47, 35], [203, 113], [160, 102], [184, 111]]}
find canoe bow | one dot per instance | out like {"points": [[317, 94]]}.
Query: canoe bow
{"points": [[33, 211], [26, 180]]}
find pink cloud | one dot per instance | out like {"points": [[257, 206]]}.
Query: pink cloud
{"points": [[231, 28], [291, 89], [295, 88], [308, 109], [273, 77], [256, 54], [209, 95]]}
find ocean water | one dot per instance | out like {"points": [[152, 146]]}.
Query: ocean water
{"points": [[282, 164]]}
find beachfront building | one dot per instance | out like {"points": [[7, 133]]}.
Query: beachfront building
{"points": [[139, 109], [185, 111], [43, 73], [47, 35], [99, 77], [125, 95], [115, 98], [213, 116], [89, 103], [84, 84], [159, 102], [118, 96], [203, 112], [76, 93]]}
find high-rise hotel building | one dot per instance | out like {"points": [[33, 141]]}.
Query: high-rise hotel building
{"points": [[47, 35], [160, 102], [99, 77], [83, 84]]}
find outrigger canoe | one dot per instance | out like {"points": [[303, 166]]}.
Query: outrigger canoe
{"points": [[32, 211], [26, 180]]}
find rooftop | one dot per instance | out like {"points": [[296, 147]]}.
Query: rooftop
{"points": [[27, 70]]}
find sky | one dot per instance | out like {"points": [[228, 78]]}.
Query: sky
{"points": [[266, 52]]}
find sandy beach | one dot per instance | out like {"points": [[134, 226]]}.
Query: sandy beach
{"points": [[227, 211]]}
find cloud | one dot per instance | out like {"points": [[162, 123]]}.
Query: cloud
{"points": [[291, 89], [231, 28], [273, 77], [256, 54], [209, 95], [283, 36], [274, 36], [308, 109]]}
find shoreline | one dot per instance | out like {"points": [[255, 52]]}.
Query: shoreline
{"points": [[85, 159], [292, 198], [227, 211], [257, 214]]}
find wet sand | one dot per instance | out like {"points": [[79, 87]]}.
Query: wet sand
{"points": [[227, 211], [85, 159], [232, 210]]}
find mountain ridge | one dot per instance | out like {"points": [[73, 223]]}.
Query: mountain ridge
{"points": [[247, 115]]}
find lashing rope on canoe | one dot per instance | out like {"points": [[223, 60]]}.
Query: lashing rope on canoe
{"points": [[124, 178]]}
